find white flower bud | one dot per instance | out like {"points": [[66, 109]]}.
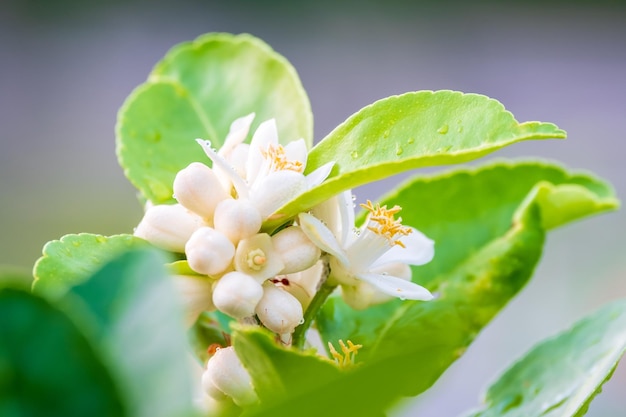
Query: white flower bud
{"points": [[363, 295], [237, 219], [276, 189], [237, 294], [278, 310], [209, 251], [225, 372], [198, 189], [296, 249], [304, 284], [168, 227], [257, 257], [196, 293]]}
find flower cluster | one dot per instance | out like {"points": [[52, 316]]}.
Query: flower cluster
{"points": [[268, 279]]}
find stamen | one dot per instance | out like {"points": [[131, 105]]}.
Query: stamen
{"points": [[346, 358], [387, 225], [278, 160]]}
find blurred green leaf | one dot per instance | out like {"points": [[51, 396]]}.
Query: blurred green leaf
{"points": [[74, 258], [560, 376], [136, 320], [409, 131], [280, 373], [47, 366], [196, 91], [15, 277], [488, 226]]}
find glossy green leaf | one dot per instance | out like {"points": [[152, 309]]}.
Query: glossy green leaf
{"points": [[413, 350], [136, 319], [488, 226], [560, 376], [196, 91], [409, 131], [47, 366], [74, 258]]}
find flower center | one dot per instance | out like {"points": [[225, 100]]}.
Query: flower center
{"points": [[346, 357], [256, 259], [278, 160], [382, 221]]}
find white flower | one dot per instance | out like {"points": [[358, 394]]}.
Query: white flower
{"points": [[371, 254], [278, 310], [272, 174], [168, 226], [237, 294]]}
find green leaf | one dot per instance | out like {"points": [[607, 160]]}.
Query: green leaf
{"points": [[560, 376], [136, 319], [73, 258], [279, 373], [409, 131], [196, 91], [206, 331], [47, 366], [488, 225]]}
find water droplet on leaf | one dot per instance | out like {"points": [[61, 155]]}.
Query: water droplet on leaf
{"points": [[354, 154], [399, 150], [443, 129], [410, 141]]}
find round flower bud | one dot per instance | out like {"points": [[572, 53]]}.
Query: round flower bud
{"points": [[209, 251], [168, 227], [196, 293], [225, 372], [198, 189], [237, 294], [278, 310], [276, 190], [237, 219], [296, 249]]}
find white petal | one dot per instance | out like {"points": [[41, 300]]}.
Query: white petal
{"points": [[419, 250], [322, 237], [296, 151], [275, 190], [225, 167], [346, 214], [397, 287], [319, 175], [266, 134], [238, 131]]}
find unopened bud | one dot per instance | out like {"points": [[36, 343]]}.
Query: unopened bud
{"points": [[237, 219], [196, 293], [225, 372], [296, 249], [209, 251], [237, 294], [168, 227], [278, 310], [198, 189]]}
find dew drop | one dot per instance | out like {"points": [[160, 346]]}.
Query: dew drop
{"points": [[402, 298], [101, 239], [301, 321], [76, 244], [399, 150], [459, 129], [410, 141], [386, 134], [354, 154], [443, 130], [353, 197]]}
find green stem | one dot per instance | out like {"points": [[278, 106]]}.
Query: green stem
{"points": [[316, 303]]}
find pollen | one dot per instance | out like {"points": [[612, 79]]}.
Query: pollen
{"points": [[346, 358], [278, 160], [382, 221]]}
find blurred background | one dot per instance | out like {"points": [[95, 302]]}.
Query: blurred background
{"points": [[67, 66]]}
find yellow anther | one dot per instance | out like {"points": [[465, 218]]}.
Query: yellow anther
{"points": [[278, 160], [386, 223], [346, 358], [256, 259]]}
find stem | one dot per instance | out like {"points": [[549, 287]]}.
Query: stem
{"points": [[316, 303]]}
